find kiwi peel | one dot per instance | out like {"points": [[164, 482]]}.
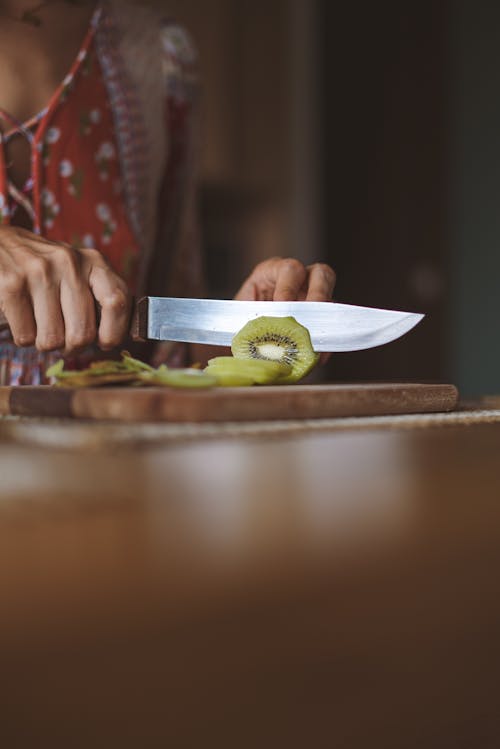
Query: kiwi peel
{"points": [[128, 371], [277, 339]]}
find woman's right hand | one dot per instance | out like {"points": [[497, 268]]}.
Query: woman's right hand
{"points": [[48, 294]]}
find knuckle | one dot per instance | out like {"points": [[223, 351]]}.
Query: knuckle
{"points": [[11, 284], [293, 265], [50, 341], [323, 267], [116, 301], [267, 263], [81, 338], [24, 339], [39, 270], [108, 342], [327, 270], [110, 339], [66, 259], [94, 256]]}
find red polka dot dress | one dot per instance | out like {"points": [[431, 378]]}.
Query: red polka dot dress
{"points": [[94, 178]]}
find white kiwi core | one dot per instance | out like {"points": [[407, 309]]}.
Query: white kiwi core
{"points": [[277, 339], [271, 351]]}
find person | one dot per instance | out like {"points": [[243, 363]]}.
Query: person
{"points": [[98, 153]]}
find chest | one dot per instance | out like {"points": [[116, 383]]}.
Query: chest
{"points": [[25, 91], [60, 171], [96, 159], [32, 67], [34, 59]]}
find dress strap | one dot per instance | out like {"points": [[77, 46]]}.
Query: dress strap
{"points": [[21, 128], [21, 198]]}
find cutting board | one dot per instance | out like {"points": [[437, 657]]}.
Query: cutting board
{"points": [[228, 404]]}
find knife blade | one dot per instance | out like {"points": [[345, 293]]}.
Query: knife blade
{"points": [[332, 326]]}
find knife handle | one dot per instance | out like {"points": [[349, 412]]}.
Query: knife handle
{"points": [[139, 321], [138, 324]]}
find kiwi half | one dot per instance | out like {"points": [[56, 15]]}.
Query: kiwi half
{"points": [[277, 339], [230, 371]]}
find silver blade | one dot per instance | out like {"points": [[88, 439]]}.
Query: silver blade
{"points": [[332, 326]]}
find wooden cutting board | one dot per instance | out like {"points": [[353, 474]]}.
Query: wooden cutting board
{"points": [[228, 404]]}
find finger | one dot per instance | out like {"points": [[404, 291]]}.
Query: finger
{"points": [[78, 309], [76, 300], [251, 292], [291, 275], [49, 319], [112, 295], [44, 290], [18, 312], [248, 292], [321, 283]]}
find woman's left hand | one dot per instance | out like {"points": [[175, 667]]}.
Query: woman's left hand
{"points": [[274, 280], [288, 280]]}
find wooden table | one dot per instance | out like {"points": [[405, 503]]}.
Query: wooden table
{"points": [[322, 589]]}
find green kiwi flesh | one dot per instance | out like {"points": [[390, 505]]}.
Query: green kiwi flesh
{"points": [[230, 379], [259, 371], [179, 378], [277, 339]]}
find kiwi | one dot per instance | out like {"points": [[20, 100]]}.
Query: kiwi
{"points": [[258, 371], [98, 374], [230, 379], [278, 339], [129, 371], [178, 378]]}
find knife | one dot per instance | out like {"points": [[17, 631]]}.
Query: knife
{"points": [[332, 326]]}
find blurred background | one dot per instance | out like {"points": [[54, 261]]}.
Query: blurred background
{"points": [[366, 135]]}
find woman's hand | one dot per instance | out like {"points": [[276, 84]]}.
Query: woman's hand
{"points": [[277, 280], [286, 280], [48, 292]]}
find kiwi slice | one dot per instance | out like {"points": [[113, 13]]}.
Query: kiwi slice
{"points": [[129, 371], [278, 339], [258, 371], [230, 379], [98, 374], [178, 378]]}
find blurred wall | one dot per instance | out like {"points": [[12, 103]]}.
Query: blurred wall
{"points": [[325, 138], [365, 134], [261, 150], [387, 158], [475, 195], [254, 169]]}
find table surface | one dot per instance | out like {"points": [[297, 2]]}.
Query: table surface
{"points": [[312, 588]]}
